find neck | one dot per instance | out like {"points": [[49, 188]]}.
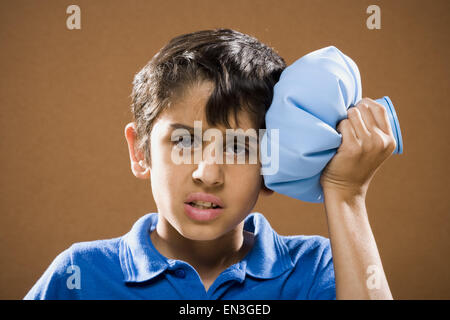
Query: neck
{"points": [[206, 256]]}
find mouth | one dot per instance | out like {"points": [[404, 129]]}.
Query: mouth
{"points": [[199, 212], [204, 200], [204, 205], [201, 206]]}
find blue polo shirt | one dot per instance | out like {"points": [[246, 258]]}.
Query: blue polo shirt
{"points": [[129, 267]]}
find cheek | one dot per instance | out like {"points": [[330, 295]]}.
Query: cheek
{"points": [[246, 184], [165, 175], [162, 164]]}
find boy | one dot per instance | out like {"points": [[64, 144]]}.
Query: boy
{"points": [[204, 242]]}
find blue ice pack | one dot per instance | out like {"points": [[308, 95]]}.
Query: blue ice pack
{"points": [[310, 99]]}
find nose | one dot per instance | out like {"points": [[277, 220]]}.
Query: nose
{"points": [[209, 172]]}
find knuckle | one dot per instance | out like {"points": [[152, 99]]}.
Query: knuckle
{"points": [[364, 101], [367, 100], [379, 139], [392, 144], [361, 104], [384, 142], [363, 107], [379, 108]]}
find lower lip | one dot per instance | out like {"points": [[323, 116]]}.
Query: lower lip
{"points": [[201, 214]]}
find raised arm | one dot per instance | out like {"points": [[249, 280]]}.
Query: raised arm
{"points": [[367, 141]]}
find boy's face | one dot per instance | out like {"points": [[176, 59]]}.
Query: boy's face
{"points": [[237, 185]]}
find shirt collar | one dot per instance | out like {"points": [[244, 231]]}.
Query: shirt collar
{"points": [[140, 261]]}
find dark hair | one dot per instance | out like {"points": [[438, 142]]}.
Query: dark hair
{"points": [[243, 70]]}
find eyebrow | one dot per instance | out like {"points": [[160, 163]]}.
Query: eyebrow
{"points": [[191, 130], [181, 126]]}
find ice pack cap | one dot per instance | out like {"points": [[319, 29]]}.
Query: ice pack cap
{"points": [[311, 97], [395, 125]]}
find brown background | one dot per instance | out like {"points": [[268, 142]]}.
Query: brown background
{"points": [[64, 98]]}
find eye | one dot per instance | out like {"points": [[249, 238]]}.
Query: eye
{"points": [[185, 141], [237, 149]]}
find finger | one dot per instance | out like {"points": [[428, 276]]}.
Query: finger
{"points": [[381, 117], [348, 133], [355, 118], [367, 116]]}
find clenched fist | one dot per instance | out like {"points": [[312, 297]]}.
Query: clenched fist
{"points": [[367, 141]]}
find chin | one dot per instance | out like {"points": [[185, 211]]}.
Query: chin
{"points": [[201, 232]]}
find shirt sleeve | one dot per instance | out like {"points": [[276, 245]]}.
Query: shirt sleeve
{"points": [[58, 281], [324, 285]]}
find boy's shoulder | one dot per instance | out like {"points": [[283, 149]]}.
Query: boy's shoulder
{"points": [[299, 253], [85, 260], [297, 245], [312, 260], [86, 252], [314, 248], [90, 257], [305, 243], [91, 250], [307, 247], [305, 260]]}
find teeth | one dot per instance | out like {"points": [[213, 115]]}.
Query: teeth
{"points": [[204, 204]]}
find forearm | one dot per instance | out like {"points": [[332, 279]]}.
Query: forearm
{"points": [[357, 264]]}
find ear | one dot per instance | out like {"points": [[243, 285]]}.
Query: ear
{"points": [[138, 165], [264, 190]]}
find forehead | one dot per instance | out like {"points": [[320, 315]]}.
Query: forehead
{"points": [[190, 106]]}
